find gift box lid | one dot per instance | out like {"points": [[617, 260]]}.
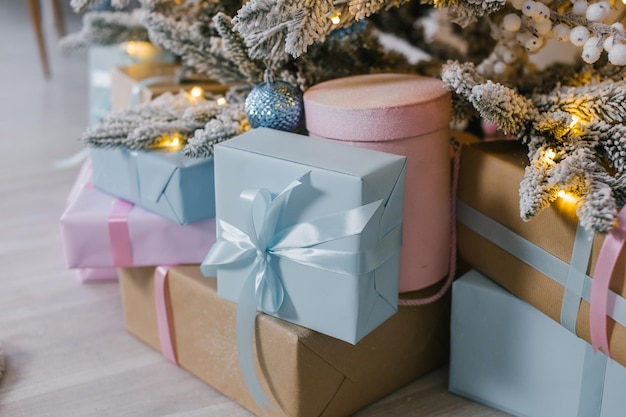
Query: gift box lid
{"points": [[322, 154], [377, 107]]}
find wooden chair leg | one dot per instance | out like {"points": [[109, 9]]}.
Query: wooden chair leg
{"points": [[35, 15], [59, 22]]}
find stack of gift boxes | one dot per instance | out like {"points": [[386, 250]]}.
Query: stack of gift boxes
{"points": [[283, 270], [527, 322], [274, 269]]}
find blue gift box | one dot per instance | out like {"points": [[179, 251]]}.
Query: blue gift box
{"points": [[336, 293], [101, 61], [509, 355], [164, 182]]}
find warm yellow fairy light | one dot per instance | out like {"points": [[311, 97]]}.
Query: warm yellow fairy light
{"points": [[174, 142], [550, 154], [197, 92], [335, 18], [567, 197], [140, 50], [575, 120], [221, 101], [171, 142]]}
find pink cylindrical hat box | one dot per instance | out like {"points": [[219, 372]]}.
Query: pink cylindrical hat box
{"points": [[405, 115]]}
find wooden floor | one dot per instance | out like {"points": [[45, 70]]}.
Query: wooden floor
{"points": [[67, 351]]}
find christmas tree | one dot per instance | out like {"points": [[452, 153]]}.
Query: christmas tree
{"points": [[571, 117]]}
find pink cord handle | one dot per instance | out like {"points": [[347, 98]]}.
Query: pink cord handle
{"points": [[607, 258], [163, 323], [119, 236]]}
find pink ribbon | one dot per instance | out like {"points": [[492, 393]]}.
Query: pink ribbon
{"points": [[611, 248], [163, 323], [119, 236]]}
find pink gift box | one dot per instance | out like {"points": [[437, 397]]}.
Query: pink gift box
{"points": [[147, 239], [407, 115]]}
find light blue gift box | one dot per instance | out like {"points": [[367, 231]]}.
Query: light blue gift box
{"points": [[336, 178], [101, 61], [167, 183], [509, 355]]}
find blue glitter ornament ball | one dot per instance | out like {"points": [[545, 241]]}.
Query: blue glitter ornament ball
{"points": [[276, 105]]}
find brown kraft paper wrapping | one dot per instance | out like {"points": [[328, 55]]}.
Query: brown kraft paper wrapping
{"points": [[304, 373], [489, 181], [123, 79]]}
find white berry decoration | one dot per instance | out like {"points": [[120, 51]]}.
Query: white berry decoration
{"points": [[617, 54], [579, 35], [597, 12], [591, 53], [580, 7], [512, 22], [533, 44], [561, 32]]}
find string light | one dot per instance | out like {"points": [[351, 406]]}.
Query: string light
{"points": [[140, 50], [549, 155], [335, 17], [221, 101], [171, 142], [197, 92], [567, 197], [575, 120]]}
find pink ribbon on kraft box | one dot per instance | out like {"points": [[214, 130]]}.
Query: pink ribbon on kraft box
{"points": [[163, 313], [599, 302], [151, 239]]}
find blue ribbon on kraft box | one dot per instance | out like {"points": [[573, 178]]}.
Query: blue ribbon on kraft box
{"points": [[167, 183], [308, 231], [510, 356]]}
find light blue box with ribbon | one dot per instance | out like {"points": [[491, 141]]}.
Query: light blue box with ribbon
{"points": [[309, 231], [167, 183], [510, 356]]}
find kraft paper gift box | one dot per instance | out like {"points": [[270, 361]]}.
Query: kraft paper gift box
{"points": [[165, 182], [101, 61], [142, 82], [306, 373], [510, 356], [321, 272], [94, 243], [544, 261]]}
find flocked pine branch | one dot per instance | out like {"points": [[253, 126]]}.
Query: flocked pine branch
{"points": [[189, 31], [106, 28], [362, 9], [235, 49], [272, 27], [496, 103], [141, 127], [595, 101]]}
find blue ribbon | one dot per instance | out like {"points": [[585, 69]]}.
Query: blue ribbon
{"points": [[533, 255], [575, 282], [261, 245]]}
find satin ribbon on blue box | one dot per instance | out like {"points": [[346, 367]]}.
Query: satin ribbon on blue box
{"points": [[262, 244], [577, 286]]}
